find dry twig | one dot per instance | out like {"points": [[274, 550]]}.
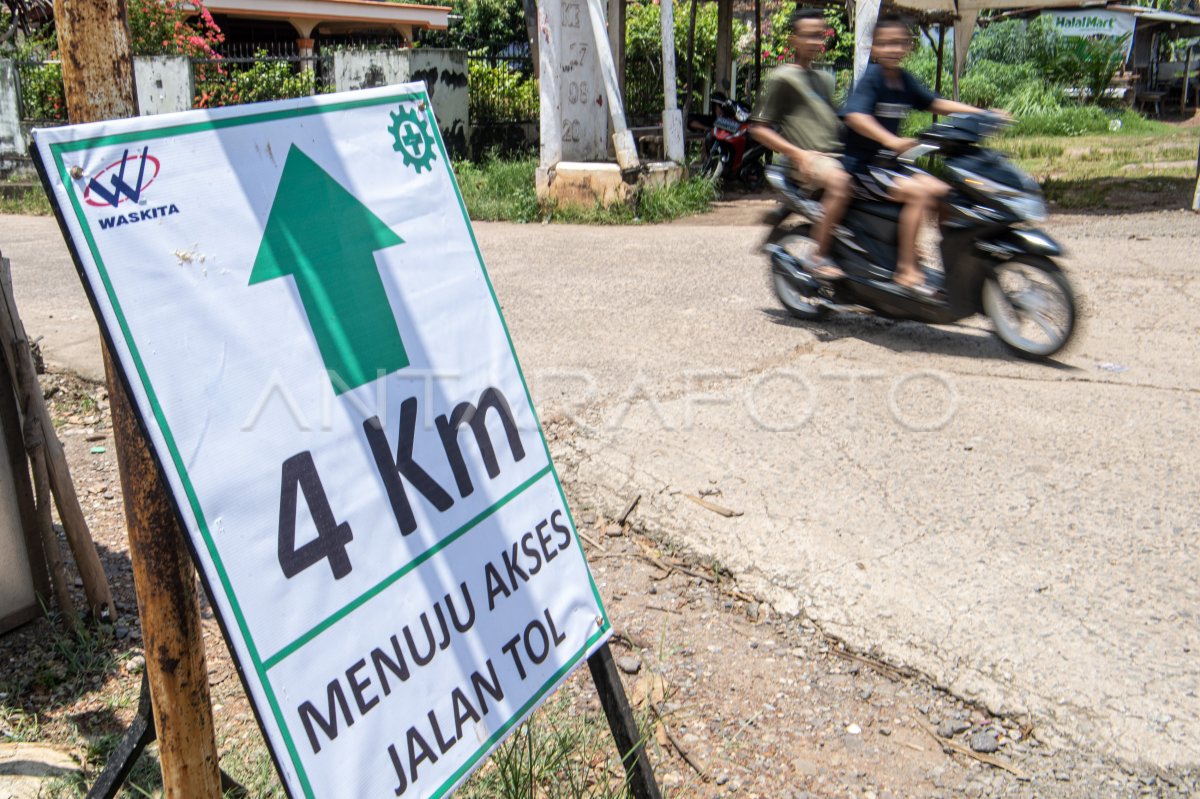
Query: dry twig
{"points": [[683, 752], [714, 507]]}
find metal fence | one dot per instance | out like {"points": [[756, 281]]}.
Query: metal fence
{"points": [[43, 99], [503, 102], [252, 73]]}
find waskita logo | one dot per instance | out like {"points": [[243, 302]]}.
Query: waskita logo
{"points": [[126, 180], [111, 186]]}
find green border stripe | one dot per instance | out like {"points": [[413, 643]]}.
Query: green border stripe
{"points": [[387, 582], [230, 122]]}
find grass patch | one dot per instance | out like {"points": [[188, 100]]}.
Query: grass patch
{"points": [[24, 197], [1126, 170], [1095, 164], [503, 191], [557, 754]]}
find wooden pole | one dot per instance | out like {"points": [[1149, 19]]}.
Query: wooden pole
{"points": [[691, 64], [93, 36], [16, 378], [531, 28], [724, 44], [40, 435], [170, 614], [1187, 78]]}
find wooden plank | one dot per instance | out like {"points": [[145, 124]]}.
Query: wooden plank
{"points": [[38, 425], [93, 36]]}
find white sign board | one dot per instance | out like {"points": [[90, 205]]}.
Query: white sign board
{"points": [[1090, 24], [295, 297]]}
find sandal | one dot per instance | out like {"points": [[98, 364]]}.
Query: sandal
{"points": [[822, 268], [923, 292]]}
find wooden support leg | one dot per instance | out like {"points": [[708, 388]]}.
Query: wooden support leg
{"points": [[170, 613], [638, 771]]}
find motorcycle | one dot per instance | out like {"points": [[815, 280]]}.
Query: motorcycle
{"points": [[729, 150], [993, 260]]}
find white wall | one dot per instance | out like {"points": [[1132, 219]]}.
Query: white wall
{"points": [[443, 71], [164, 84], [12, 142]]}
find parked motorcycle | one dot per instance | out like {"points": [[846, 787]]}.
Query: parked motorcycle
{"points": [[730, 153], [993, 260]]}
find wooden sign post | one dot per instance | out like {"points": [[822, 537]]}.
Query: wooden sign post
{"points": [[93, 37]]}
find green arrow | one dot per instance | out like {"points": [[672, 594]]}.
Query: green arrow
{"points": [[326, 239]]}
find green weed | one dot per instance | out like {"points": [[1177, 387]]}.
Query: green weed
{"points": [[502, 190], [27, 200], [557, 754]]}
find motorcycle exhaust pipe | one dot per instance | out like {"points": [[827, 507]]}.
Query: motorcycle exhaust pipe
{"points": [[785, 264]]}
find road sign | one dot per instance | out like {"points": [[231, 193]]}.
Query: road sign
{"points": [[296, 300]]}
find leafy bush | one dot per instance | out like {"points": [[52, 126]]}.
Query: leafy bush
{"points": [[643, 53], [219, 84], [500, 93], [839, 45], [43, 97]]}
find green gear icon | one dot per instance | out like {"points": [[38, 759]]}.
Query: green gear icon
{"points": [[413, 141]]}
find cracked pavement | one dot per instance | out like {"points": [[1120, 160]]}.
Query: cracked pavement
{"points": [[1024, 534]]}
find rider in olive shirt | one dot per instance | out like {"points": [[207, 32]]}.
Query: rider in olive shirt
{"points": [[796, 119]]}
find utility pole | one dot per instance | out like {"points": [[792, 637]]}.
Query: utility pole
{"points": [[93, 36]]}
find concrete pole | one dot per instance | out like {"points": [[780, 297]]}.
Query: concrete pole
{"points": [[623, 143], [93, 36], [866, 12], [672, 118], [549, 90]]}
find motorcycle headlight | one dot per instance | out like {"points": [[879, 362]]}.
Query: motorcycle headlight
{"points": [[1027, 206], [1025, 202], [742, 115]]}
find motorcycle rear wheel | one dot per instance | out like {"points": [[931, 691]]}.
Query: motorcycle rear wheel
{"points": [[1032, 306]]}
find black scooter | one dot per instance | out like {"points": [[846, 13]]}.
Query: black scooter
{"points": [[994, 262]]}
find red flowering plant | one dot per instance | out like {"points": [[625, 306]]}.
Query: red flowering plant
{"points": [[839, 39], [173, 27], [176, 27]]}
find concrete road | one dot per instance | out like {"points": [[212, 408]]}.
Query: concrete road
{"points": [[1024, 534]]}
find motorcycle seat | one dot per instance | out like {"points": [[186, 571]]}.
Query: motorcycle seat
{"points": [[883, 210]]}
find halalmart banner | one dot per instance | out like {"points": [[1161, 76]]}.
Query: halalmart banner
{"points": [[1092, 24], [297, 303]]}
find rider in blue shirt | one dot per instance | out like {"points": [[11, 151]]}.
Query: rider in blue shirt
{"points": [[881, 100]]}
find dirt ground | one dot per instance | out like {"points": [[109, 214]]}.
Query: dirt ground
{"points": [[747, 703]]}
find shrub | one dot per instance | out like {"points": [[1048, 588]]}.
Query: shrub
{"points": [[166, 27], [219, 84], [500, 93]]}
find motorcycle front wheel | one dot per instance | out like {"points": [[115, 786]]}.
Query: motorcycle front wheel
{"points": [[1032, 306], [795, 294]]}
